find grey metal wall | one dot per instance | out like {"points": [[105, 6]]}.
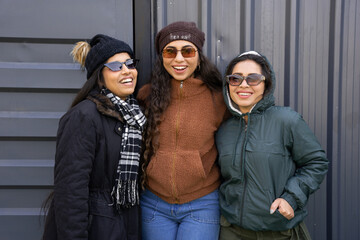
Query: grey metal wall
{"points": [[314, 46], [38, 80], [344, 129]]}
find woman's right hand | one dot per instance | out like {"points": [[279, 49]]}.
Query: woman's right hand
{"points": [[284, 208]]}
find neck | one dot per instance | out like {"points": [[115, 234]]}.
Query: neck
{"points": [[245, 117]]}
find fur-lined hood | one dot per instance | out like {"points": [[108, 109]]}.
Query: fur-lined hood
{"points": [[103, 104]]}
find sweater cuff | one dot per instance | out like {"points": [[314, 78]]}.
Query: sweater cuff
{"points": [[291, 200]]}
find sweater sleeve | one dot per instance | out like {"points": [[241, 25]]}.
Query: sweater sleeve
{"points": [[75, 151], [311, 165]]}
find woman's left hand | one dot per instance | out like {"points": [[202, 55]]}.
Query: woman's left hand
{"points": [[284, 208]]}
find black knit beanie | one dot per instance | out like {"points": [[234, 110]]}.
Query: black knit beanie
{"points": [[102, 48], [179, 31]]}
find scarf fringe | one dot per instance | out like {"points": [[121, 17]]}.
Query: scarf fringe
{"points": [[127, 194]]}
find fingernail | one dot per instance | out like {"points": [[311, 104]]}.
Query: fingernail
{"points": [[272, 211]]}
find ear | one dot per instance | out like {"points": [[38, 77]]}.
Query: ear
{"points": [[101, 80]]}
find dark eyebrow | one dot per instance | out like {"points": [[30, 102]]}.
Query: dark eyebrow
{"points": [[181, 47], [243, 74]]}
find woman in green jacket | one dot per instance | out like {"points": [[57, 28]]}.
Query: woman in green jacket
{"points": [[270, 159]]}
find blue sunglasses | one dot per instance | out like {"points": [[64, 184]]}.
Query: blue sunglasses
{"points": [[117, 66]]}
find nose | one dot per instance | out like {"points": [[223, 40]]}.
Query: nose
{"points": [[244, 82], [124, 69], [179, 57]]}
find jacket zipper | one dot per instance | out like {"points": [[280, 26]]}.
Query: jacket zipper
{"points": [[175, 195], [245, 183]]}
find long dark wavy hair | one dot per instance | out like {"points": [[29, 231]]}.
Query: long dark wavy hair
{"points": [[159, 99]]}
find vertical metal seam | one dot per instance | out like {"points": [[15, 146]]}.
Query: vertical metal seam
{"points": [[340, 87], [242, 27], [252, 25], [297, 34], [330, 115], [165, 15], [208, 30], [153, 30], [287, 53]]}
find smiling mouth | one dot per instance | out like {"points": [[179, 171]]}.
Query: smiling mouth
{"points": [[126, 81], [244, 94], [179, 68]]}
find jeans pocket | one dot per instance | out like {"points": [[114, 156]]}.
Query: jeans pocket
{"points": [[149, 205], [206, 209]]}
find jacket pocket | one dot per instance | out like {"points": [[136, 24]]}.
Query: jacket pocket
{"points": [[104, 223], [100, 207], [276, 220], [188, 171], [178, 171], [268, 165]]}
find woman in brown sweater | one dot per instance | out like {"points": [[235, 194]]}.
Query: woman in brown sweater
{"points": [[184, 106]]}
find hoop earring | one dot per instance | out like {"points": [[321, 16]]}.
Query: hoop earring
{"points": [[198, 68]]}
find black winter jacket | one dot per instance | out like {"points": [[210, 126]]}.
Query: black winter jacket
{"points": [[87, 154]]}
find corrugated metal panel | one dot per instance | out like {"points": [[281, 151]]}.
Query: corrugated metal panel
{"points": [[314, 47], [311, 89], [345, 76], [38, 81], [315, 50]]}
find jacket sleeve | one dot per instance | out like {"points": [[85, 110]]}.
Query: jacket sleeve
{"points": [[75, 151], [311, 164]]}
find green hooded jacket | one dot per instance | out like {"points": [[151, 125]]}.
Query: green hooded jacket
{"points": [[274, 155]]}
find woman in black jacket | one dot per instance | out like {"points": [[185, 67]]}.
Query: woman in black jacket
{"points": [[98, 149]]}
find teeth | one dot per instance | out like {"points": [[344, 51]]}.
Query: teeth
{"points": [[244, 94], [128, 80], [179, 68]]}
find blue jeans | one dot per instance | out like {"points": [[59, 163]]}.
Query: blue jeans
{"points": [[195, 220]]}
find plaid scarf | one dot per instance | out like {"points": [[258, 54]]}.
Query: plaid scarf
{"points": [[125, 190]]}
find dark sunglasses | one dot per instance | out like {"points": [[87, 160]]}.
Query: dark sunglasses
{"points": [[186, 52], [253, 79], [117, 66]]}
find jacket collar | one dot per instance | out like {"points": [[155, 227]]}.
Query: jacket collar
{"points": [[103, 104], [187, 88]]}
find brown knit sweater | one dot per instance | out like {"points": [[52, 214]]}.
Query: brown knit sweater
{"points": [[184, 167]]}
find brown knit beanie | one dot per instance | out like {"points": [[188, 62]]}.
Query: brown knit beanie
{"points": [[179, 31]]}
